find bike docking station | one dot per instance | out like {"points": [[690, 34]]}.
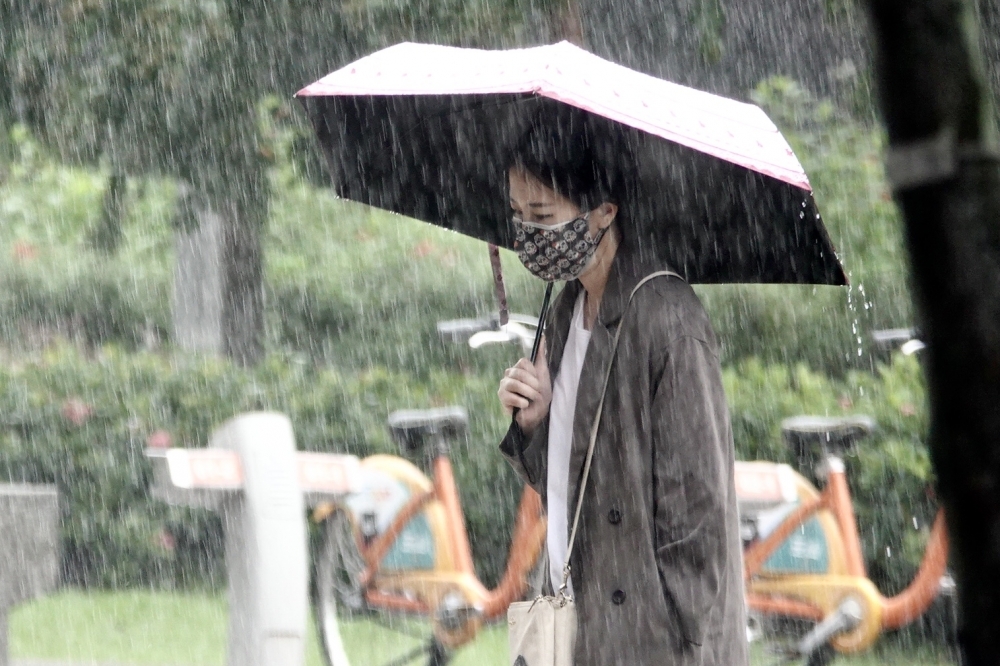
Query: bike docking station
{"points": [[29, 548], [252, 476]]}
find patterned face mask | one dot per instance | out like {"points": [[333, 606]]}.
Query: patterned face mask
{"points": [[557, 252]]}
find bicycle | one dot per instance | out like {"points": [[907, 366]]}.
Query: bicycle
{"points": [[397, 550], [803, 562]]}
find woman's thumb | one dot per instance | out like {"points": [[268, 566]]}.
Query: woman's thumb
{"points": [[541, 361]]}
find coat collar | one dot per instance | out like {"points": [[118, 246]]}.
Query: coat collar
{"points": [[627, 269]]}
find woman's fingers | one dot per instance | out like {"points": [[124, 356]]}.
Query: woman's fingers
{"points": [[511, 401], [518, 388], [517, 401], [525, 376], [527, 388]]}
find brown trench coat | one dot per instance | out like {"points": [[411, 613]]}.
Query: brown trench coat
{"points": [[657, 568]]}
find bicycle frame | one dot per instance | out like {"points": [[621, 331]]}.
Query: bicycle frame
{"points": [[815, 596], [424, 592]]}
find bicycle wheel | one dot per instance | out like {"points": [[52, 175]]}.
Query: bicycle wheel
{"points": [[774, 642], [352, 633]]}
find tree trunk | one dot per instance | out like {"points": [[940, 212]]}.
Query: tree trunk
{"points": [[243, 296], [107, 235], [943, 167], [218, 278]]}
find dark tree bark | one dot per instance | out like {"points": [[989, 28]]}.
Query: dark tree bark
{"points": [[107, 234], [243, 290], [942, 163], [218, 273]]}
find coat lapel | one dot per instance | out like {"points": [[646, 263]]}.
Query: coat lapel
{"points": [[588, 395], [626, 272], [557, 329]]}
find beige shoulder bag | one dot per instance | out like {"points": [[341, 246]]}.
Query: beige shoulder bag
{"points": [[543, 632]]}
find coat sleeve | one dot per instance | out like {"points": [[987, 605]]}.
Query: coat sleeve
{"points": [[527, 455], [693, 454]]}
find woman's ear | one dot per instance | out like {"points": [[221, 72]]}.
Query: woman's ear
{"points": [[608, 212]]}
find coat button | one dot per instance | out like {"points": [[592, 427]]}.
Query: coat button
{"points": [[618, 597], [614, 516]]}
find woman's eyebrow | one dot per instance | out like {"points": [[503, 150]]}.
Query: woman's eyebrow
{"points": [[534, 204]]}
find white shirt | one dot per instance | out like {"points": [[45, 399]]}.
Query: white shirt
{"points": [[561, 411]]}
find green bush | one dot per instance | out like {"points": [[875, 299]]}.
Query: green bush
{"points": [[52, 282], [352, 286], [344, 284], [114, 534]]}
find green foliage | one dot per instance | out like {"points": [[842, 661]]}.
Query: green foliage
{"points": [[52, 282], [709, 19], [345, 284], [115, 535], [82, 424]]}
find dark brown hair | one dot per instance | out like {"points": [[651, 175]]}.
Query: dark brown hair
{"points": [[559, 150]]}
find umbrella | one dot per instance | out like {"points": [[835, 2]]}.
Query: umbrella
{"points": [[426, 131]]}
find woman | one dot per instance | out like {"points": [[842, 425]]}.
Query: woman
{"points": [[656, 571]]}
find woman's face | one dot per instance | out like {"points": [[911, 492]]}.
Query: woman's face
{"points": [[532, 201]]}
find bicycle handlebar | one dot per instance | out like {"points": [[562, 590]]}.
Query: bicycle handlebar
{"points": [[907, 340], [464, 330]]}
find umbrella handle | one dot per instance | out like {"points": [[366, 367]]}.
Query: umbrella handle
{"points": [[542, 314], [498, 283]]}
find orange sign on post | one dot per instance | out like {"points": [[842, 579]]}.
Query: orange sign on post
{"points": [[205, 469], [327, 473]]}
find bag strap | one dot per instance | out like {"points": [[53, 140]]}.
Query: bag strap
{"points": [[597, 423]]}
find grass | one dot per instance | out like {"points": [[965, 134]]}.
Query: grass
{"points": [[173, 629], [885, 653]]}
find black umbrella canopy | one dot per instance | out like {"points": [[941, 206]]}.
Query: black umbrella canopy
{"points": [[444, 159]]}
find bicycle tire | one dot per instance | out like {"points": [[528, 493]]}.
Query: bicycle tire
{"points": [[824, 656], [339, 605], [777, 639]]}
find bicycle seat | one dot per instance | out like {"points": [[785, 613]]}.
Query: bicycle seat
{"points": [[414, 428], [805, 434]]}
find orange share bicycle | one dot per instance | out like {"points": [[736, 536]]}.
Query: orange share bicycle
{"points": [[803, 566], [394, 580]]}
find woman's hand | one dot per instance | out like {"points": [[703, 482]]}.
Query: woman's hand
{"points": [[527, 388]]}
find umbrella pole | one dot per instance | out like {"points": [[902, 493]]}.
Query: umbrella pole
{"points": [[538, 337], [541, 322]]}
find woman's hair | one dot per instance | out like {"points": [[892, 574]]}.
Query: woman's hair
{"points": [[559, 150]]}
